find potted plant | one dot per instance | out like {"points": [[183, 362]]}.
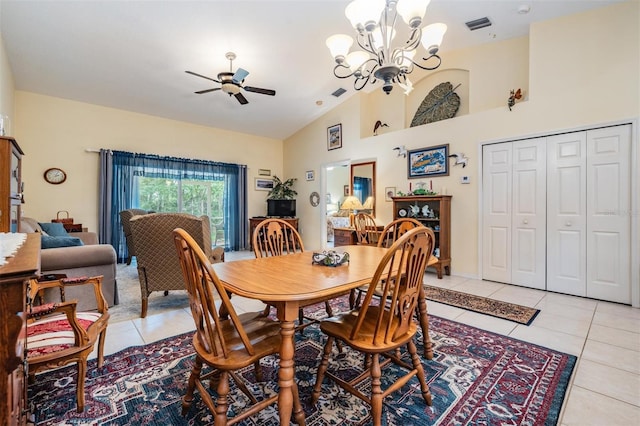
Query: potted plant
{"points": [[282, 190]]}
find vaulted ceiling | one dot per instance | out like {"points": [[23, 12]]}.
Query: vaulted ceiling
{"points": [[132, 55]]}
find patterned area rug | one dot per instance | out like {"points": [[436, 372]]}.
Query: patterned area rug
{"points": [[495, 308], [476, 377]]}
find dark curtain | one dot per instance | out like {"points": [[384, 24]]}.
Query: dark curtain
{"points": [[362, 188], [119, 171]]}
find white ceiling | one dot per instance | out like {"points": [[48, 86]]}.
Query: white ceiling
{"points": [[132, 55]]}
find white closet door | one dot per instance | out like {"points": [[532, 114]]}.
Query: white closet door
{"points": [[528, 224], [608, 214], [566, 213], [496, 205]]}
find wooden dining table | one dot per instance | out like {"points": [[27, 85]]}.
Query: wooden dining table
{"points": [[292, 281]]}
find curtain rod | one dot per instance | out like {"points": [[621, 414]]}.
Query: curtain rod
{"points": [[91, 150]]}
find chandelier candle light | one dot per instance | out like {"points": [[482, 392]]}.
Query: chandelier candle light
{"points": [[375, 24]]}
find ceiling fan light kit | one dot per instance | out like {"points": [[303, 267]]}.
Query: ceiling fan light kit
{"points": [[379, 58], [231, 82]]}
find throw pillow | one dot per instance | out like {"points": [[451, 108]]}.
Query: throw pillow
{"points": [[54, 229], [54, 242]]}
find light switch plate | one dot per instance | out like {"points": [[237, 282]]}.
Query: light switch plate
{"points": [[465, 179]]}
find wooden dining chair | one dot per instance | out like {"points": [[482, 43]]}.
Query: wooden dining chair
{"points": [[275, 237], [58, 334], [380, 329], [366, 229], [226, 345], [390, 233]]}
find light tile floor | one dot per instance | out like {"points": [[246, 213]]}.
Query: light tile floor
{"points": [[604, 389]]}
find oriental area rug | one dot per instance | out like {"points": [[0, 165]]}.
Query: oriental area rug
{"points": [[495, 308], [476, 377]]}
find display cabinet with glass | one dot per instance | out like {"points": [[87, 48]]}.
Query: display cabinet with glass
{"points": [[433, 211]]}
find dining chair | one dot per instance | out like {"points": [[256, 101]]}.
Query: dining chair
{"points": [[225, 344], [276, 237], [57, 334], [366, 229], [389, 234], [381, 329]]}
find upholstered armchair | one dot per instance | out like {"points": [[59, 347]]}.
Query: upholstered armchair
{"points": [[125, 217], [158, 265]]}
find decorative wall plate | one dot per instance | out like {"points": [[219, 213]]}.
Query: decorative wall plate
{"points": [[314, 199], [402, 212], [441, 103]]}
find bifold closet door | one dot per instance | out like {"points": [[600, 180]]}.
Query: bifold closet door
{"points": [[588, 204], [608, 214], [514, 212]]}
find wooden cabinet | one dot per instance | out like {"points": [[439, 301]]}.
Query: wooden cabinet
{"points": [[10, 184], [14, 277], [344, 237], [254, 221], [433, 211]]}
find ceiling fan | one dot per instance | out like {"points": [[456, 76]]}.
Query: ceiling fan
{"points": [[232, 82]]}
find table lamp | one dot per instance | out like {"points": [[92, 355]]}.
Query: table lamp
{"points": [[368, 204], [351, 203]]}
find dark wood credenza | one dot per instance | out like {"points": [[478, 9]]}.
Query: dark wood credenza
{"points": [[254, 221], [14, 278]]}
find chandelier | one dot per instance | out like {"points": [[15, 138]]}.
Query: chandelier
{"points": [[379, 59]]}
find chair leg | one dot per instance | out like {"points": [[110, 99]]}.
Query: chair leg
{"points": [[187, 399], [328, 308], [376, 390], [301, 319], [417, 365], [82, 374], [222, 404], [101, 340], [166, 292], [145, 305], [129, 260], [322, 368]]}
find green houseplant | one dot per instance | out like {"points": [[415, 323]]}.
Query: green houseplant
{"points": [[282, 190]]}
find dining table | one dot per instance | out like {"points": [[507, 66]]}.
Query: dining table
{"points": [[293, 281]]}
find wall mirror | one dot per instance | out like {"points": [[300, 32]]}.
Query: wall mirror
{"points": [[363, 185]]}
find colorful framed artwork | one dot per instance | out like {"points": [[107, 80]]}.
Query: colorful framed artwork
{"points": [[309, 175], [334, 137], [431, 161], [262, 184]]}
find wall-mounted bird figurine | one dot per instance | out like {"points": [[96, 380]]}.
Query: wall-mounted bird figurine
{"points": [[377, 127], [513, 97], [402, 151], [460, 159]]}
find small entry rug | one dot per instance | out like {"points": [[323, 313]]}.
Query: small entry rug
{"points": [[476, 377], [496, 308]]}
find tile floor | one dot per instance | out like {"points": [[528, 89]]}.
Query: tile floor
{"points": [[604, 389]]}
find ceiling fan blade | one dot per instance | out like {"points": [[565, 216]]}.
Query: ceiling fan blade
{"points": [[259, 90], [202, 76], [240, 75], [200, 92], [241, 99]]}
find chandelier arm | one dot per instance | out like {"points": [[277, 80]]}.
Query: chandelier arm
{"points": [[359, 83], [427, 59], [363, 45], [340, 66]]}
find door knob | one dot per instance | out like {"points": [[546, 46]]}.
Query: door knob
{"points": [[568, 224], [525, 221]]}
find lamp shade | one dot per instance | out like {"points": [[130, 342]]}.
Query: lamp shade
{"points": [[356, 59], [364, 13], [339, 45], [368, 204], [412, 11], [351, 203], [432, 36]]}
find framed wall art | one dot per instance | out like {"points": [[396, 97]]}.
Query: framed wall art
{"points": [[346, 191], [389, 191], [334, 137], [431, 161], [263, 184], [264, 172], [309, 175]]}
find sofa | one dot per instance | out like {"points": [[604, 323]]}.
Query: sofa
{"points": [[88, 259]]}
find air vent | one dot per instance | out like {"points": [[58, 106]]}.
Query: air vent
{"points": [[339, 92], [476, 24]]}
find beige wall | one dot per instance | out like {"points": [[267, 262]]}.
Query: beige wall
{"points": [[6, 89], [55, 132], [575, 71]]}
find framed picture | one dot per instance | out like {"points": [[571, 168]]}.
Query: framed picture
{"points": [[346, 190], [264, 172], [432, 161], [389, 191], [334, 137], [263, 184], [309, 175]]}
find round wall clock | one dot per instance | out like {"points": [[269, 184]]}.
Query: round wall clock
{"points": [[314, 199], [441, 103], [55, 175]]}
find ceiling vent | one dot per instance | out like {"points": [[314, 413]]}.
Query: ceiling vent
{"points": [[339, 92], [476, 24]]}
